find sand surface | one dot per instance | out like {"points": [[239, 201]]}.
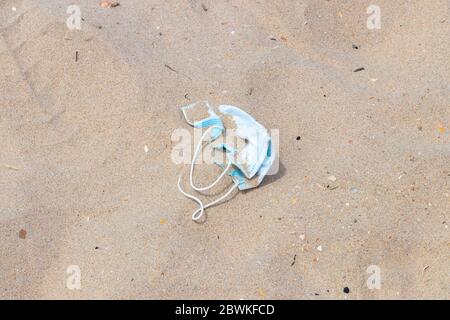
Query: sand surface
{"points": [[367, 183]]}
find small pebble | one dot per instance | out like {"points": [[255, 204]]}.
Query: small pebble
{"points": [[353, 190], [319, 248], [109, 4], [22, 234], [346, 290]]}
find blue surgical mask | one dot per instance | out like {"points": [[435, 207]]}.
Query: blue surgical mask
{"points": [[252, 159], [247, 162]]}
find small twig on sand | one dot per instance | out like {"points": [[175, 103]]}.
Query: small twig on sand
{"points": [[293, 262], [7, 166], [173, 70], [170, 68]]}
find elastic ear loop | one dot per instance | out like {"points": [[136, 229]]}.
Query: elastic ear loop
{"points": [[200, 211], [194, 159]]}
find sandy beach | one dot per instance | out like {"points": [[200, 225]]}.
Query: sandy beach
{"points": [[87, 182]]}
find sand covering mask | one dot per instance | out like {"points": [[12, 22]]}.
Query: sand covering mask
{"points": [[247, 161]]}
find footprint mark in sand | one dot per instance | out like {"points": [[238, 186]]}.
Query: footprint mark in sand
{"points": [[16, 33], [69, 121]]}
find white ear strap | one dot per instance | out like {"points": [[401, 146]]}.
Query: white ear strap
{"points": [[200, 211], [202, 208], [194, 159]]}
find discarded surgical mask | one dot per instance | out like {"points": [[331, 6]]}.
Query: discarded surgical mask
{"points": [[247, 162]]}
